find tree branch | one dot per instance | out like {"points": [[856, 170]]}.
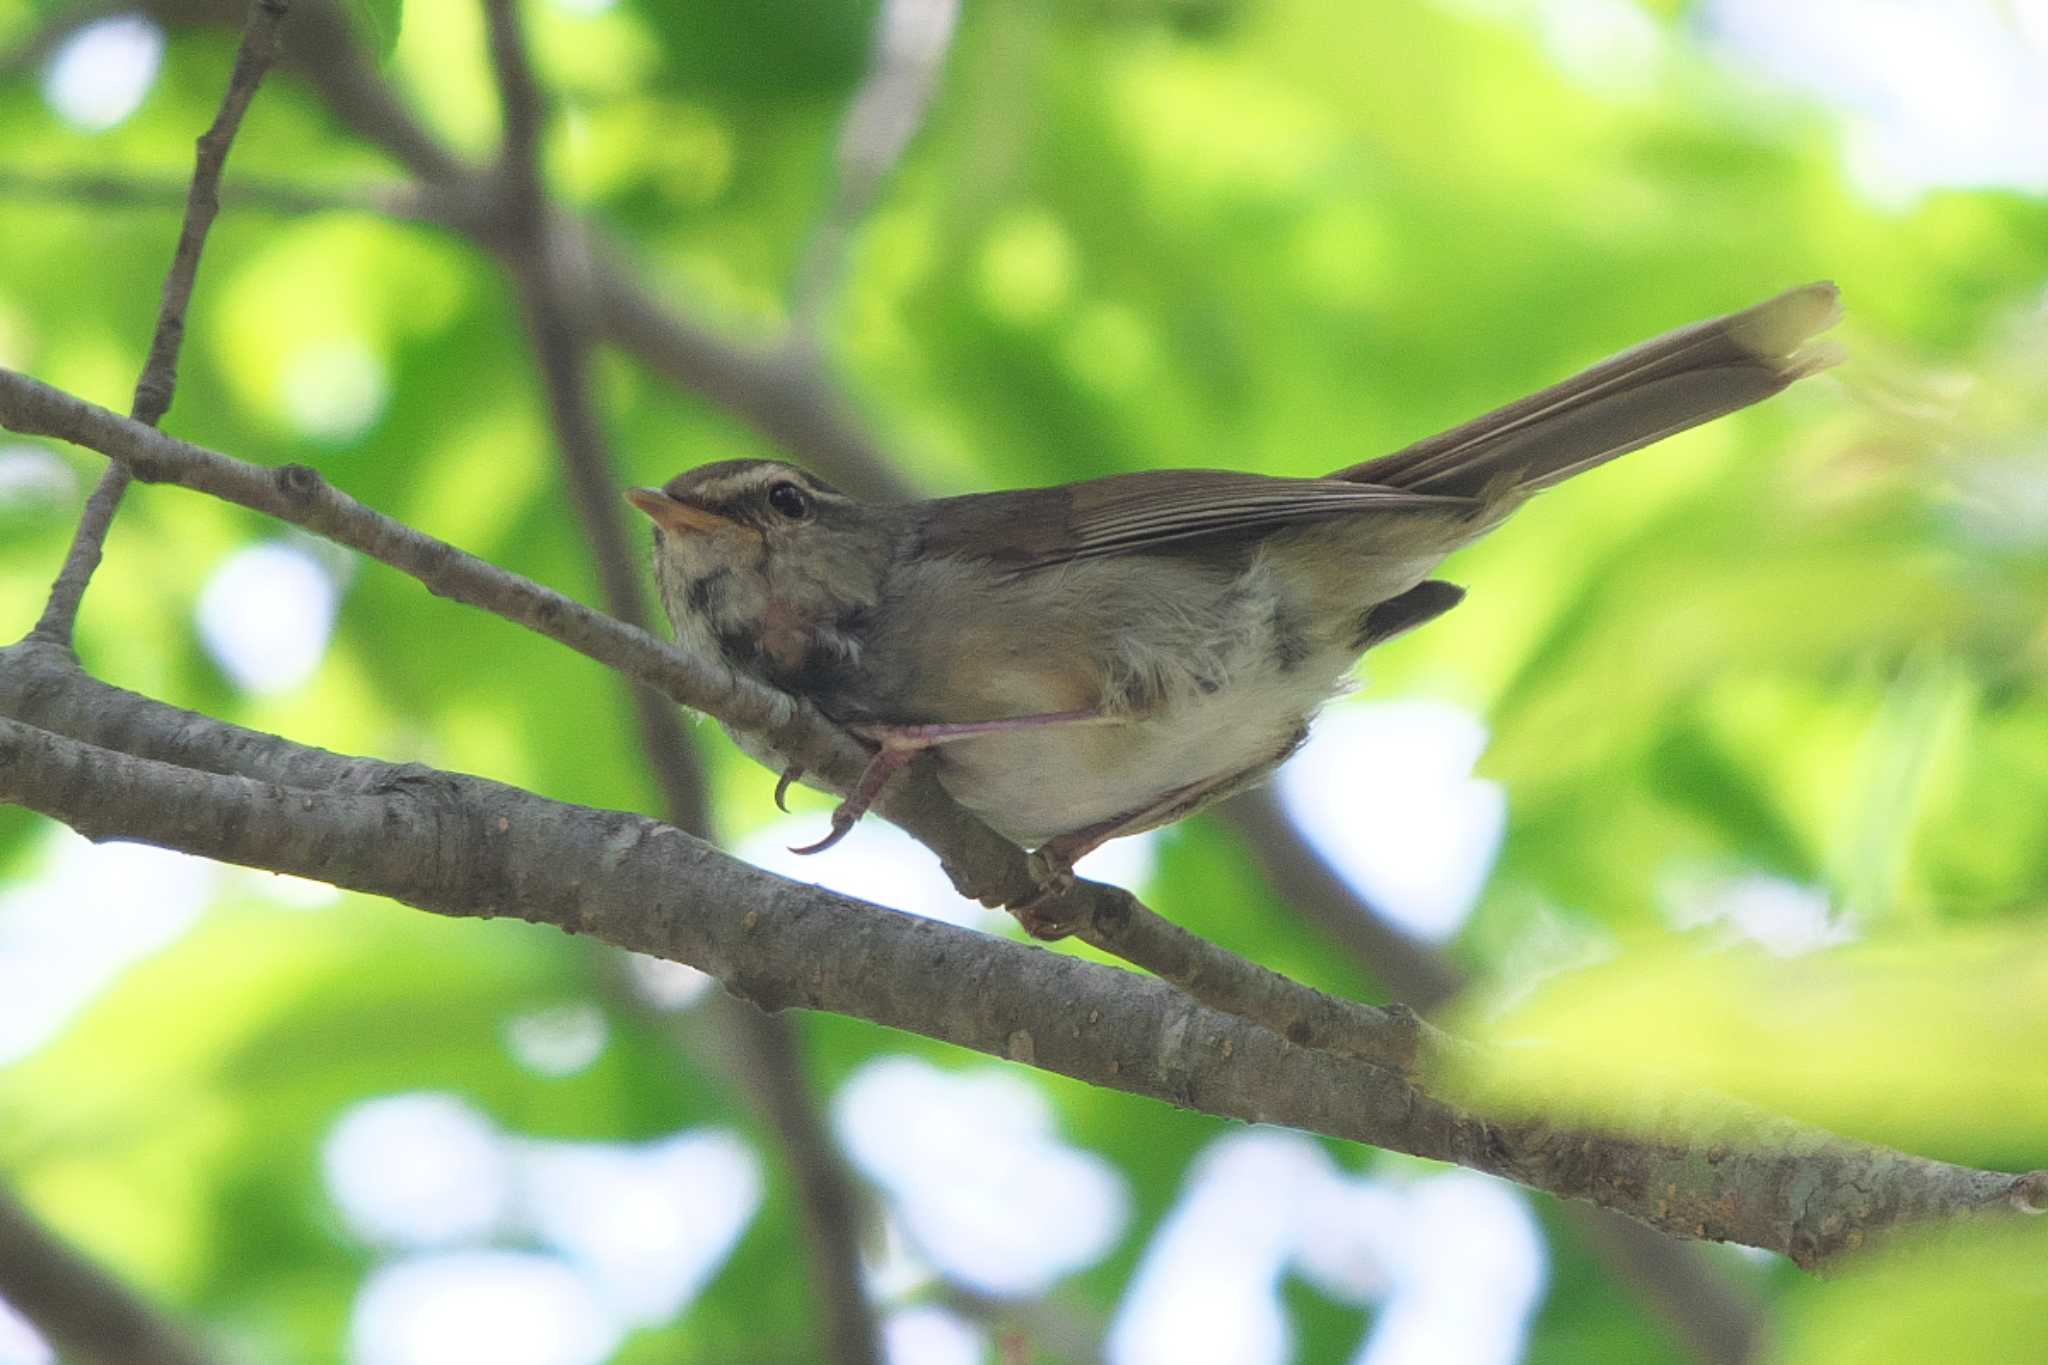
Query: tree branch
{"points": [[84, 1311], [160, 370], [463, 846], [778, 390]]}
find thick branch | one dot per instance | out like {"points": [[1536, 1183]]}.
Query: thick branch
{"points": [[562, 356], [86, 1313], [463, 846], [160, 370]]}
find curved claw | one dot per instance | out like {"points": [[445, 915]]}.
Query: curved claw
{"points": [[840, 829], [782, 783]]}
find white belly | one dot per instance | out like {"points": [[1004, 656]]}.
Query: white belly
{"points": [[1033, 784]]}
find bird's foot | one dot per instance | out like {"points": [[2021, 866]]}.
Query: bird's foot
{"points": [[887, 759]]}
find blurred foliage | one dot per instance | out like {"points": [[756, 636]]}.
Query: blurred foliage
{"points": [[1804, 644], [1877, 1025], [1975, 1295]]}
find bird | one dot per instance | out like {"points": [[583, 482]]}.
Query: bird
{"points": [[1104, 657]]}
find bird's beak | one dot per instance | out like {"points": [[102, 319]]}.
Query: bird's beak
{"points": [[671, 514]]}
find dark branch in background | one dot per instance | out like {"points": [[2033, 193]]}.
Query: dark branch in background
{"points": [[88, 1315], [828, 1199], [562, 355], [160, 371], [772, 1068], [1408, 971], [463, 846]]}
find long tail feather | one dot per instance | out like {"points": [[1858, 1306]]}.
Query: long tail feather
{"points": [[1646, 393]]}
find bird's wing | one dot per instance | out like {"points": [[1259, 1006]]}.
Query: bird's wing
{"points": [[1157, 510]]}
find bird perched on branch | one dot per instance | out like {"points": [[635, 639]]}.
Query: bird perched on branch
{"points": [[1100, 658]]}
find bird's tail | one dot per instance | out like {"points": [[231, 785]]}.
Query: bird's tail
{"points": [[1646, 393]]}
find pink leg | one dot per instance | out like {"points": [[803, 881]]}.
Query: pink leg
{"points": [[901, 743], [928, 736]]}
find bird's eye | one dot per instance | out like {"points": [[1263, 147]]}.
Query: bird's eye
{"points": [[791, 501]]}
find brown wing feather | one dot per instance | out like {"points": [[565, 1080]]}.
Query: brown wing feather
{"points": [[1140, 513]]}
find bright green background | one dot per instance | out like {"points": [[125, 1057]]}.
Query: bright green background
{"points": [[1281, 237]]}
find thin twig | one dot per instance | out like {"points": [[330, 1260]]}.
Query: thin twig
{"points": [[159, 378], [301, 496], [82, 1309]]}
